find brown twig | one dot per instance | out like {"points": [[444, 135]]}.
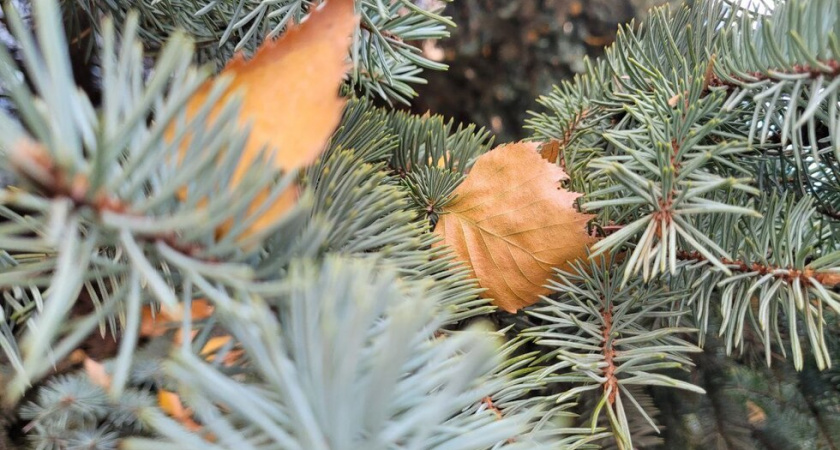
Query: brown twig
{"points": [[833, 70], [611, 385], [828, 279], [384, 33], [666, 205], [828, 211], [490, 406], [83, 34], [709, 75]]}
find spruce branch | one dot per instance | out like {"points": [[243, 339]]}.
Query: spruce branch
{"points": [[705, 140], [385, 57], [103, 192], [780, 272], [601, 337], [825, 278], [770, 132], [683, 186], [320, 381], [35, 165]]}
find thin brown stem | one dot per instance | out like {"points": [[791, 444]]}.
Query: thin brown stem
{"points": [[827, 279], [831, 69], [607, 349], [384, 33]]}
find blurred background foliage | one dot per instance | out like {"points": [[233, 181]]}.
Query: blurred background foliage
{"points": [[504, 54]]}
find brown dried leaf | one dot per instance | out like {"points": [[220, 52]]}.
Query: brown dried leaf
{"points": [[512, 223], [171, 404], [215, 344], [289, 93], [156, 324]]}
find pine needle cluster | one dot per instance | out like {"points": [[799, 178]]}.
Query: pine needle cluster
{"points": [[705, 143]]}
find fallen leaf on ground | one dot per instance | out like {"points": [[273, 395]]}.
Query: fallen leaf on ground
{"points": [[511, 223], [290, 97]]}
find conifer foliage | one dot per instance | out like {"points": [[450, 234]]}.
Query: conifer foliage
{"points": [[216, 250]]}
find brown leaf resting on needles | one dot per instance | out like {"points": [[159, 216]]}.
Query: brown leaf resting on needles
{"points": [[289, 94], [512, 223]]}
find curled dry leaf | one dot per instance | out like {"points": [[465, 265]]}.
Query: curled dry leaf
{"points": [[675, 99], [512, 224], [290, 96]]}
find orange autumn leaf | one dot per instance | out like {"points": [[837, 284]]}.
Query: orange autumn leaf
{"points": [[511, 223], [289, 93], [156, 324], [77, 356], [214, 344], [171, 404], [232, 358]]}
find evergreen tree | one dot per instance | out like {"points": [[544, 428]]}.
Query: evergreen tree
{"points": [[156, 296]]}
